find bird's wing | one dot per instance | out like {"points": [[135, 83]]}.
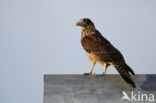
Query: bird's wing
{"points": [[101, 47]]}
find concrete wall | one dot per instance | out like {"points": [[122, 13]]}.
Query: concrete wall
{"points": [[96, 89]]}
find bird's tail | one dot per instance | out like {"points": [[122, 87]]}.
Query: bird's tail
{"points": [[124, 71]]}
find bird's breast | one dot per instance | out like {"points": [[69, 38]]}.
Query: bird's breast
{"points": [[93, 57]]}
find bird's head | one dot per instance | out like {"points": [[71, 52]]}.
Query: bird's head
{"points": [[85, 23]]}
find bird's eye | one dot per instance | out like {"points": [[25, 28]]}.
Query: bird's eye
{"points": [[85, 20]]}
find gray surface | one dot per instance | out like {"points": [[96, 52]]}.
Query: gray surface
{"points": [[93, 89]]}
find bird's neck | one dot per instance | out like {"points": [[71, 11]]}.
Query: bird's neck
{"points": [[89, 30]]}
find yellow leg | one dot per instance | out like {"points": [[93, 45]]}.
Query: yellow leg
{"points": [[91, 70], [105, 68]]}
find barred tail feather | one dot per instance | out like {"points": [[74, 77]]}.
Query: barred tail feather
{"points": [[124, 70], [129, 69]]}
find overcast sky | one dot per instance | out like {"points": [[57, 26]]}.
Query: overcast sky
{"points": [[39, 37]]}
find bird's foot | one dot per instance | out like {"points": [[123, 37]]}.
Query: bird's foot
{"points": [[103, 74], [90, 73]]}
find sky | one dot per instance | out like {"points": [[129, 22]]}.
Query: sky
{"points": [[39, 37]]}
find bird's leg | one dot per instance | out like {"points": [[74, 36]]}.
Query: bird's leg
{"points": [[91, 70], [105, 68]]}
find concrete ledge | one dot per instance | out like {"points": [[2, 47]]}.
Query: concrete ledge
{"points": [[94, 89]]}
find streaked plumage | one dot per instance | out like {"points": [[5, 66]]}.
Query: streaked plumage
{"points": [[100, 50]]}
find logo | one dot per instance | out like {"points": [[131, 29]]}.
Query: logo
{"points": [[137, 97]]}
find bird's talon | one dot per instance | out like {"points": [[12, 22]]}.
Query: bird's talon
{"points": [[93, 74], [90, 73], [86, 74], [103, 74]]}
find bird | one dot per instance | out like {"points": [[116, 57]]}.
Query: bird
{"points": [[100, 50]]}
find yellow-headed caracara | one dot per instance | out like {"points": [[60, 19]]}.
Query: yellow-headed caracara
{"points": [[100, 50]]}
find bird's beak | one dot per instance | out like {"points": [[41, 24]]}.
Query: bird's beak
{"points": [[79, 23]]}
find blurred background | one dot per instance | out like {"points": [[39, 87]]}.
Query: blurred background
{"points": [[39, 37]]}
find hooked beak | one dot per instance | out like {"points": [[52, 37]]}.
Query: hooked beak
{"points": [[80, 23]]}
